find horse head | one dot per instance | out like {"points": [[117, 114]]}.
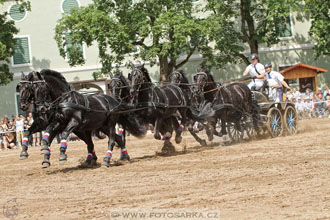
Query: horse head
{"points": [[138, 77], [25, 90], [118, 86], [200, 81], [176, 77]]}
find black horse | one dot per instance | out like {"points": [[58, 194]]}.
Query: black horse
{"points": [[179, 78], [231, 103], [120, 89], [40, 118], [158, 105], [81, 114]]}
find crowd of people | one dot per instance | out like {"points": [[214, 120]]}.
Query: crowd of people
{"points": [[12, 131], [310, 104]]}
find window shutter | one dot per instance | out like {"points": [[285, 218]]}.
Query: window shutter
{"points": [[15, 13], [22, 53], [285, 27], [68, 5]]}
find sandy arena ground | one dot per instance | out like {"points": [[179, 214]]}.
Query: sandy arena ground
{"points": [[281, 178]]}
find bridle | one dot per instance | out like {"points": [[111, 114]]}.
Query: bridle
{"points": [[200, 80], [137, 79], [175, 77]]}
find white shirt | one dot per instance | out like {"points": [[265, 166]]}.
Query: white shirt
{"points": [[252, 70], [300, 106], [309, 105], [276, 76], [19, 125]]}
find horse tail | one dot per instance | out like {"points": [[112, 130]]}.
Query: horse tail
{"points": [[134, 124]]}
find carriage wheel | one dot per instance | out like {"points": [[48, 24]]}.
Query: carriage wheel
{"points": [[249, 129], [235, 135], [290, 120], [274, 122]]}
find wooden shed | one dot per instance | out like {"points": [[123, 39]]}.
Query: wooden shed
{"points": [[306, 74]]}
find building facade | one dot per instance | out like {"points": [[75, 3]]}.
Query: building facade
{"points": [[36, 50]]}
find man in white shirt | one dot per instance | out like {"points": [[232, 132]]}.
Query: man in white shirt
{"points": [[279, 78], [256, 71], [300, 106], [19, 129]]}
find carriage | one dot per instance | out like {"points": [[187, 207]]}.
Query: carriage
{"points": [[276, 119]]}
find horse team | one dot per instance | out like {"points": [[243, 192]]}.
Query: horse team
{"points": [[134, 104]]}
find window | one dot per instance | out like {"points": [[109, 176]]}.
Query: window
{"points": [[16, 14], [77, 47], [18, 110], [284, 26], [67, 5], [22, 54]]}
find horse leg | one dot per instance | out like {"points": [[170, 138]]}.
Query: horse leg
{"points": [[167, 129], [223, 127], [24, 154], [46, 141], [157, 135], [111, 144], [121, 141], [193, 133], [180, 129], [73, 123], [86, 136]]}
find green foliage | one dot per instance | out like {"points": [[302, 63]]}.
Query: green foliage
{"points": [[252, 21], [7, 43], [320, 29], [163, 31]]}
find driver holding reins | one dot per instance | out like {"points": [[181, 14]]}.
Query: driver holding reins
{"points": [[257, 73]]}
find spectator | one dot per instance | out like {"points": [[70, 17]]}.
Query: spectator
{"points": [[320, 105], [300, 107], [288, 95], [325, 91], [309, 107], [8, 137], [20, 129], [1, 136], [296, 93], [5, 119], [308, 94], [328, 105]]}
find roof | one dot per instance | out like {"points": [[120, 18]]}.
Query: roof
{"points": [[318, 70]]}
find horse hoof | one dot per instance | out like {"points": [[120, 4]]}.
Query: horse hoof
{"points": [[93, 162], [63, 157], [178, 139], [106, 162], [168, 148], [45, 164], [125, 158], [203, 143], [24, 155]]}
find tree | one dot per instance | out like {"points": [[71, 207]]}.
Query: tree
{"points": [[163, 31], [7, 42], [261, 21], [320, 29]]}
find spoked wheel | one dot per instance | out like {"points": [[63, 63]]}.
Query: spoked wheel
{"points": [[249, 129], [235, 134], [290, 120], [274, 122]]}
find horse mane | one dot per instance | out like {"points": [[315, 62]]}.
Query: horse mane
{"points": [[184, 78], [146, 73], [123, 79], [48, 72]]}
